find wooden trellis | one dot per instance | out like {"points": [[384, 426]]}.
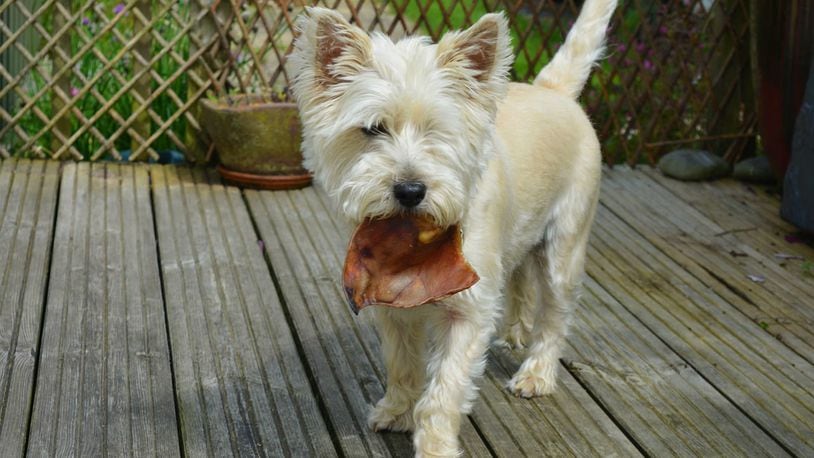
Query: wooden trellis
{"points": [[99, 79]]}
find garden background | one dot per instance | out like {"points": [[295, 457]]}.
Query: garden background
{"points": [[120, 80]]}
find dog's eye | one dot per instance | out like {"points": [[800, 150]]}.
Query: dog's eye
{"points": [[374, 130]]}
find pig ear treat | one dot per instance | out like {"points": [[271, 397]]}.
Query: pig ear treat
{"points": [[404, 262]]}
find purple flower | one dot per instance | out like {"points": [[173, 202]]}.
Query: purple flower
{"points": [[118, 8], [663, 30], [85, 21], [792, 238], [648, 65], [74, 92], [622, 48], [640, 47]]}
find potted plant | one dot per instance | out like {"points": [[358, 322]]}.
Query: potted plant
{"points": [[257, 139]]}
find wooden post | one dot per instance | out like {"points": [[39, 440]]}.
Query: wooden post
{"points": [[141, 89], [12, 61], [62, 128], [732, 107], [202, 35]]}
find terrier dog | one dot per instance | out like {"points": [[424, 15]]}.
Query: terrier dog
{"points": [[437, 130]]}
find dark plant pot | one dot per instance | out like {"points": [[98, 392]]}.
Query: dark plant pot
{"points": [[785, 43], [258, 141]]}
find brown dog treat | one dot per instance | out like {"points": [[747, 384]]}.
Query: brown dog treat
{"points": [[404, 262]]}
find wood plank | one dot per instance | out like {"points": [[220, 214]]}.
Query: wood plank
{"points": [[661, 401], [104, 383], [765, 379], [323, 333], [241, 387], [307, 246], [736, 208], [28, 196], [728, 203], [763, 202], [780, 303]]}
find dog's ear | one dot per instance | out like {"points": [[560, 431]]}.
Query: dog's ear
{"points": [[481, 52], [328, 48]]}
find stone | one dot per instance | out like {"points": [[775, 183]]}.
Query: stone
{"points": [[754, 170], [693, 165], [798, 186]]}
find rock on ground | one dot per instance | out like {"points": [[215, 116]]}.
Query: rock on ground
{"points": [[754, 170], [693, 165]]}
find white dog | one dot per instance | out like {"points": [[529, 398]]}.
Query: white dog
{"points": [[437, 129]]}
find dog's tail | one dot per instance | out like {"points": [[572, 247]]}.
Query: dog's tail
{"points": [[568, 71]]}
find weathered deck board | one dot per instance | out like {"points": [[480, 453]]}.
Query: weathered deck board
{"points": [[739, 209], [28, 196], [781, 302], [336, 350], [664, 404], [674, 351], [240, 384], [510, 425], [670, 296], [104, 380]]}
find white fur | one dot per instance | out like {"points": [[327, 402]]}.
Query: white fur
{"points": [[571, 66], [517, 165]]}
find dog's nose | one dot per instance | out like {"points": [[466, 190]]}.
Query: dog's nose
{"points": [[410, 193]]}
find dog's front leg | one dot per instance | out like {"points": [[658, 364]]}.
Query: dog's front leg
{"points": [[460, 331], [403, 346]]}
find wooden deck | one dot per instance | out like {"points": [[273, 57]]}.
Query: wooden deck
{"points": [[151, 310]]}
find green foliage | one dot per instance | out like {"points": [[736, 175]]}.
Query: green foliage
{"points": [[653, 83], [108, 81], [434, 23]]}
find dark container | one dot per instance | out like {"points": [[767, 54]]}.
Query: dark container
{"points": [[798, 187], [785, 43]]}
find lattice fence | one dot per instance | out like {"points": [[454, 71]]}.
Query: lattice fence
{"points": [[108, 80]]}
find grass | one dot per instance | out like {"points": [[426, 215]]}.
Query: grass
{"points": [[523, 69], [108, 83]]}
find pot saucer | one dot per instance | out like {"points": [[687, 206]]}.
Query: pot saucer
{"points": [[269, 182]]}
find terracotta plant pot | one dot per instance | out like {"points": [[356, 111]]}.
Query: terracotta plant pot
{"points": [[257, 140]]}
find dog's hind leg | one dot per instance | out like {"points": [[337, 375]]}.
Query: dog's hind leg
{"points": [[403, 349], [562, 258], [522, 301]]}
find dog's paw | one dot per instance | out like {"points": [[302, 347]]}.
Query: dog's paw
{"points": [[529, 385], [428, 445], [384, 417]]}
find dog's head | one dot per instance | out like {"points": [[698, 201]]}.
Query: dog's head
{"points": [[398, 127]]}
